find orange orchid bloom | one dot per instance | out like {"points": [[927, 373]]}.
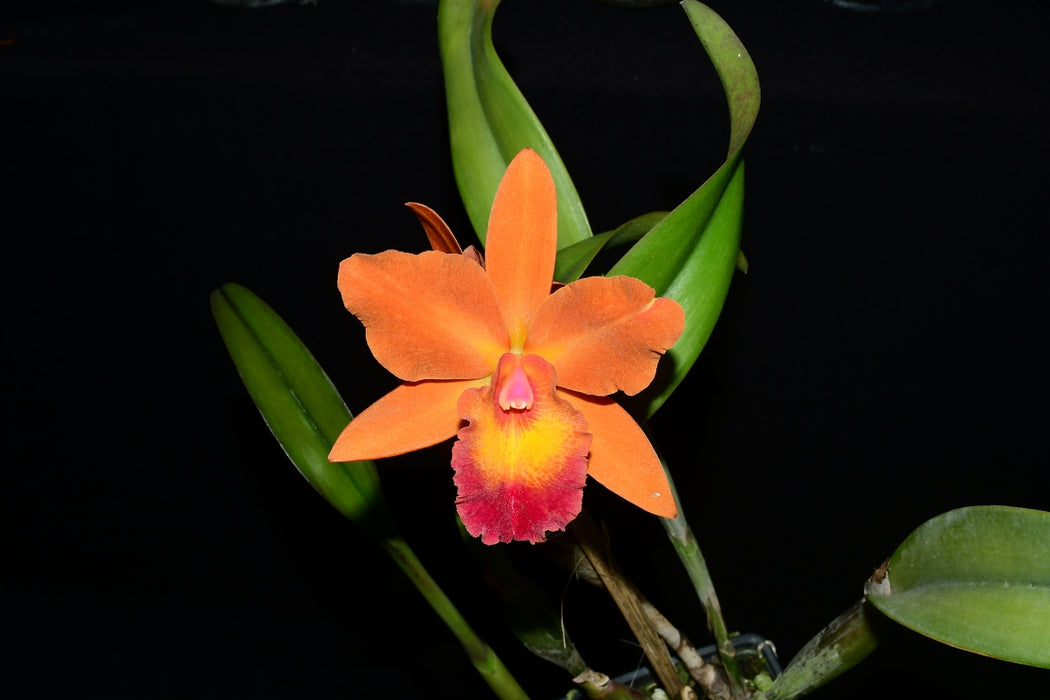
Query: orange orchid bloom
{"points": [[519, 374]]}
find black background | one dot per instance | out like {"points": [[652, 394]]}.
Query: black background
{"points": [[882, 362]]}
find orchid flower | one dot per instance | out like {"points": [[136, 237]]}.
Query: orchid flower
{"points": [[520, 374]]}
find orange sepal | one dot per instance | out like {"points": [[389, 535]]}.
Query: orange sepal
{"points": [[426, 316], [522, 241], [622, 458], [605, 334], [410, 417]]}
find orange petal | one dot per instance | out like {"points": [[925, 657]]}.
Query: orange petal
{"points": [[622, 459], [438, 233], [426, 316], [522, 241], [605, 334], [409, 418], [520, 470]]}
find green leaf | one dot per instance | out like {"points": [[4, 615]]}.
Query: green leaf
{"points": [[691, 255], [533, 618], [306, 414], [490, 121], [299, 404], [573, 260], [975, 578]]}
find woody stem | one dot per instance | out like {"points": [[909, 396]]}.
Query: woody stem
{"points": [[628, 599]]}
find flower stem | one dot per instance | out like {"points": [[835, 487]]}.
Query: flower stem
{"points": [[481, 654], [688, 550]]}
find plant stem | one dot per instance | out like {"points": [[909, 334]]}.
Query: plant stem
{"points": [[481, 654], [627, 599], [688, 550], [711, 678], [843, 643], [599, 686]]}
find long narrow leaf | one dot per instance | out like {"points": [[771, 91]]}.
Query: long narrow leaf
{"points": [[490, 121], [299, 404], [306, 414], [573, 260], [691, 255], [976, 578]]}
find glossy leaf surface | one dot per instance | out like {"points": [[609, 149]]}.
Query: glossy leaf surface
{"points": [[976, 578], [490, 121], [573, 260], [298, 402], [692, 253]]}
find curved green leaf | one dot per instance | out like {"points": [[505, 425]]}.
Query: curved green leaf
{"points": [[573, 260], [976, 578], [691, 255], [490, 121], [299, 404]]}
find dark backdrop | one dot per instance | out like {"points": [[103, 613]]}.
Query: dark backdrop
{"points": [[882, 362]]}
